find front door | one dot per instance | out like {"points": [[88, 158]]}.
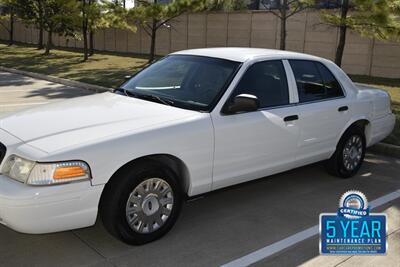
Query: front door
{"points": [[255, 144]]}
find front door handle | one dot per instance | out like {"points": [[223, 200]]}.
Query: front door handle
{"points": [[344, 108], [291, 118]]}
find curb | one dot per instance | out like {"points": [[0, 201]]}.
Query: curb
{"points": [[86, 86], [385, 150]]}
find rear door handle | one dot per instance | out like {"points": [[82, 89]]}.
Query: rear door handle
{"points": [[344, 108], [291, 118]]}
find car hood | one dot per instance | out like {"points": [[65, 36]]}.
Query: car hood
{"points": [[83, 119]]}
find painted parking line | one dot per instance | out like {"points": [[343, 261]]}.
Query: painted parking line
{"points": [[297, 238]]}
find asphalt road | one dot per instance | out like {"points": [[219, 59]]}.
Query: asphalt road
{"points": [[217, 228]]}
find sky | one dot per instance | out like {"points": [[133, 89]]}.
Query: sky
{"points": [[129, 3]]}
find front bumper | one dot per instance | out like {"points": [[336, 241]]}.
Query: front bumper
{"points": [[47, 209]]}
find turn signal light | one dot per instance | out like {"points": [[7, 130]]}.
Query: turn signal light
{"points": [[69, 172]]}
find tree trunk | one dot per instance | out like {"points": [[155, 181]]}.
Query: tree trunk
{"points": [[153, 41], [282, 45], [283, 18], [91, 43], [85, 46], [84, 31], [40, 42], [342, 33], [41, 31], [49, 42], [11, 32]]}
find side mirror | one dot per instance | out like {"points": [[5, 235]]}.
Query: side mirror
{"points": [[127, 78], [242, 103]]}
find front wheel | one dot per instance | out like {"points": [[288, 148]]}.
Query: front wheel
{"points": [[141, 204], [349, 154]]}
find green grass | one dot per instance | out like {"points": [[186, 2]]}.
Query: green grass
{"points": [[109, 69], [105, 69], [392, 86]]}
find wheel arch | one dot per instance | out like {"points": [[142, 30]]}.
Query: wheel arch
{"points": [[363, 123], [174, 163]]}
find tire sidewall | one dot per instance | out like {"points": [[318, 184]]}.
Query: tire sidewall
{"points": [[343, 172], [127, 181]]}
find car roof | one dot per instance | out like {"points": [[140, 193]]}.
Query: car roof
{"points": [[240, 54]]}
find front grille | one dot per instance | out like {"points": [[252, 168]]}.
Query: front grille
{"points": [[3, 150]]}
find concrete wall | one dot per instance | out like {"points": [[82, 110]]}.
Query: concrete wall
{"points": [[244, 29]]}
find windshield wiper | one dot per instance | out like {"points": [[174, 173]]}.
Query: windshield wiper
{"points": [[158, 99], [125, 92]]}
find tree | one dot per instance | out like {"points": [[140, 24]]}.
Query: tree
{"points": [[95, 21], [152, 16], [92, 19], [101, 15], [8, 13], [59, 16], [284, 9], [32, 12], [226, 5], [371, 18], [85, 24]]}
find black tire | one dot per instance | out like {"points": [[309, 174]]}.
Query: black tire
{"points": [[118, 190], [336, 164]]}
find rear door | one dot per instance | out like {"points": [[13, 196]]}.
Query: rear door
{"points": [[323, 110]]}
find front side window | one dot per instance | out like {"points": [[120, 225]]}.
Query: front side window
{"points": [[267, 81], [314, 81], [191, 82]]}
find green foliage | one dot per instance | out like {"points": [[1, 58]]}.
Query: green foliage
{"points": [[226, 5], [61, 16], [289, 8], [58, 16], [9, 9], [371, 18], [147, 13], [151, 16], [113, 14], [394, 6], [93, 11]]}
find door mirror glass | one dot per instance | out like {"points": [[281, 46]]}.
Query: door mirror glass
{"points": [[242, 103]]}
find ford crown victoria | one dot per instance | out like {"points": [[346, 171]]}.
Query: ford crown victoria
{"points": [[193, 122]]}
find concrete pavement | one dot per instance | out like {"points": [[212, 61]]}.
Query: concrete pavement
{"points": [[19, 92], [217, 228]]}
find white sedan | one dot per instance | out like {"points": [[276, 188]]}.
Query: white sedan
{"points": [[195, 121]]}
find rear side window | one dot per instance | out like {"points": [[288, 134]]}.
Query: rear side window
{"points": [[332, 86], [267, 81], [314, 81]]}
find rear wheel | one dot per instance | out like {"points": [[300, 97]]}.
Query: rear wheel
{"points": [[349, 154], [142, 203]]}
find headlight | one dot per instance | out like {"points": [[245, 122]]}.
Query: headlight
{"points": [[18, 168], [34, 173]]}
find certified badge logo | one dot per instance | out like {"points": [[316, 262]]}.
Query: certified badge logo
{"points": [[353, 229]]}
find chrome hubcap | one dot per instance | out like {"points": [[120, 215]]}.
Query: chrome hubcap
{"points": [[352, 152], [149, 205]]}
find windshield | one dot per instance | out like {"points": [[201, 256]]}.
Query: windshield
{"points": [[191, 82]]}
